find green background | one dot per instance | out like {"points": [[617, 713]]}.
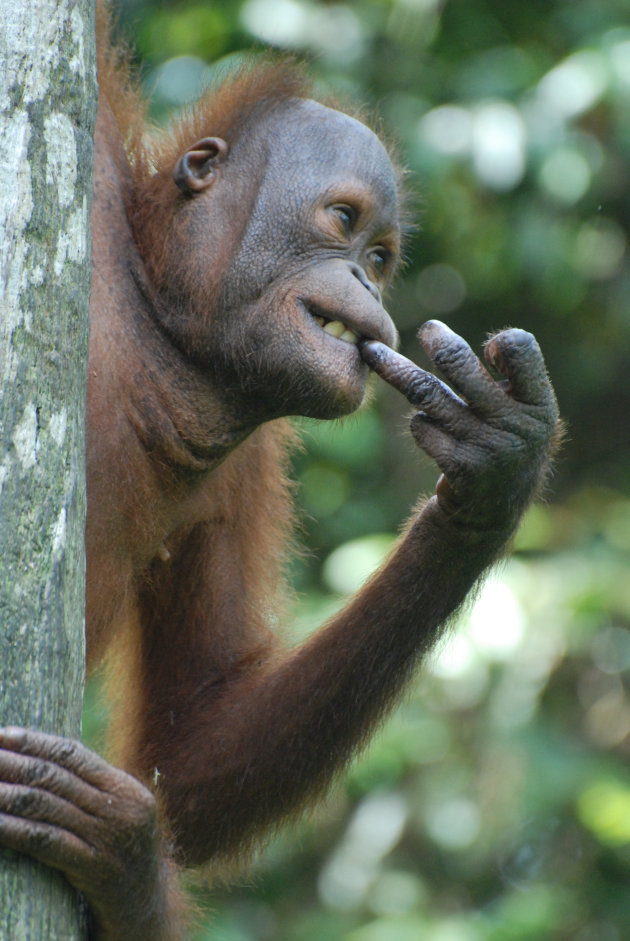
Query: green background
{"points": [[495, 803]]}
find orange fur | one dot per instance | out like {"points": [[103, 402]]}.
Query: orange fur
{"points": [[205, 329], [213, 291]]}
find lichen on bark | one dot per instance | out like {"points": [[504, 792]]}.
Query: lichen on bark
{"points": [[47, 110]]}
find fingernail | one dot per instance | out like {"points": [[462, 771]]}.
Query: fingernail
{"points": [[371, 351]]}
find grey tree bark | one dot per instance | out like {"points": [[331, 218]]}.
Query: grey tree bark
{"points": [[47, 109]]}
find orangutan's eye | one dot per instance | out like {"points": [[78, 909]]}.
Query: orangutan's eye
{"points": [[347, 217], [379, 260]]}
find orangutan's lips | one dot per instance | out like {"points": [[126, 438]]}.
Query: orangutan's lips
{"points": [[335, 328]]}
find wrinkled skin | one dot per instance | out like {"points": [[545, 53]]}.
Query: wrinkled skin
{"points": [[322, 239], [215, 332], [74, 808], [487, 419]]}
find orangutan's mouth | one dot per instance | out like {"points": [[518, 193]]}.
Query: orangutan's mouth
{"points": [[334, 328]]}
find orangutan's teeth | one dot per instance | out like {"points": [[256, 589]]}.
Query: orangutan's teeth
{"points": [[338, 330], [349, 337], [320, 321], [335, 328]]}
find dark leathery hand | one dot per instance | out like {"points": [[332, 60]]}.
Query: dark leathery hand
{"points": [[419, 387], [64, 805], [490, 439]]}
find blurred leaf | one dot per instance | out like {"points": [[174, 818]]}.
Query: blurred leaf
{"points": [[351, 564], [604, 808], [190, 30], [397, 929]]}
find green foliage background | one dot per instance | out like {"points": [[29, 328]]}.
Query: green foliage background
{"points": [[495, 805]]}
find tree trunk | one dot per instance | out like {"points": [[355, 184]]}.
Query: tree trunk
{"points": [[47, 108]]}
